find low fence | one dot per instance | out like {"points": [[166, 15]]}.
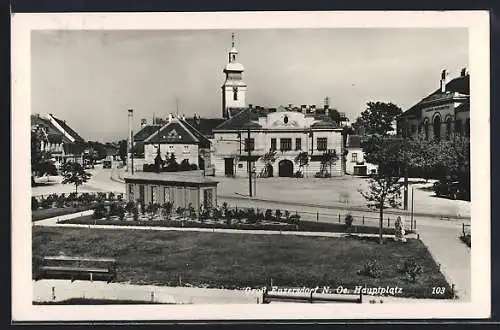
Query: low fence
{"points": [[465, 229], [359, 218]]}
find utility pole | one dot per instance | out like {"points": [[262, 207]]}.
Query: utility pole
{"points": [[405, 191], [131, 139], [249, 163]]}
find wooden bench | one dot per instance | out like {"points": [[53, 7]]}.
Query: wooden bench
{"points": [[311, 298], [76, 268]]}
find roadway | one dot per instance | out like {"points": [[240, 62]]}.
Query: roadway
{"points": [[440, 235]]}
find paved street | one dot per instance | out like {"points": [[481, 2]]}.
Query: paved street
{"points": [[441, 236]]}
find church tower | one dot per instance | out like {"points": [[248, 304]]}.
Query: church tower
{"points": [[234, 89]]}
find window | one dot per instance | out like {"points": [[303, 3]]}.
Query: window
{"points": [[171, 147], [458, 127], [186, 149], [240, 165], [207, 198], [426, 130], [249, 143], [321, 143], [166, 193], [354, 157], [273, 144], [285, 144], [141, 193], [448, 128], [298, 144], [235, 93]]}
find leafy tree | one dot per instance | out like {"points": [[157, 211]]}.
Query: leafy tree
{"points": [[172, 164], [302, 159], [384, 189], [40, 163], [268, 159], [74, 173], [378, 118], [334, 115], [328, 159]]}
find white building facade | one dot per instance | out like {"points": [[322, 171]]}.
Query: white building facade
{"points": [[288, 133]]}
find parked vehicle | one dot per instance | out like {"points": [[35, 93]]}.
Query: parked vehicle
{"points": [[106, 164], [450, 189]]}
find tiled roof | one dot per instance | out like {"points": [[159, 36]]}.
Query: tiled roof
{"points": [[175, 177], [458, 85], [205, 125], [243, 120], [324, 124], [53, 134], [146, 132], [68, 129], [173, 132], [204, 142], [354, 141]]}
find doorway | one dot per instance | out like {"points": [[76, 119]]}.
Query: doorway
{"points": [[285, 168], [229, 166]]}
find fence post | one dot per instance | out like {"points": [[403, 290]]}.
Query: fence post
{"points": [[152, 296], [317, 216], [363, 219], [53, 293], [463, 229], [388, 222], [339, 217]]}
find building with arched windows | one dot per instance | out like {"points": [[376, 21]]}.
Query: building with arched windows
{"points": [[442, 114]]}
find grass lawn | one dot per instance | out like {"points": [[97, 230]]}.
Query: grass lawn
{"points": [[239, 260], [303, 226], [55, 212]]}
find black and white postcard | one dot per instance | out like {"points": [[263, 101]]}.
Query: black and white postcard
{"points": [[250, 165]]}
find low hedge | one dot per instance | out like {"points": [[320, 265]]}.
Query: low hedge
{"points": [[465, 239], [303, 226]]}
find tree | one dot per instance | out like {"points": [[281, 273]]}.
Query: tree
{"points": [[328, 159], [122, 151], [384, 189], [268, 159], [383, 192], [302, 159], [172, 164], [378, 118], [74, 173], [334, 115], [40, 160]]}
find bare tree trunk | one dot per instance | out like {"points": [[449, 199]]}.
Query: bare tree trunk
{"points": [[380, 224]]}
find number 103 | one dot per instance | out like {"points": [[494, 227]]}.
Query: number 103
{"points": [[438, 290]]}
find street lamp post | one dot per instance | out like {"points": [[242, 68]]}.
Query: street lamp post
{"points": [[249, 163], [254, 173]]}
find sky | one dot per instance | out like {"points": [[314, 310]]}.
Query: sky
{"points": [[91, 78]]}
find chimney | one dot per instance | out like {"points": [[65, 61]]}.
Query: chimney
{"points": [[250, 106], [463, 73], [303, 108], [170, 117], [444, 80], [313, 107], [183, 117]]}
